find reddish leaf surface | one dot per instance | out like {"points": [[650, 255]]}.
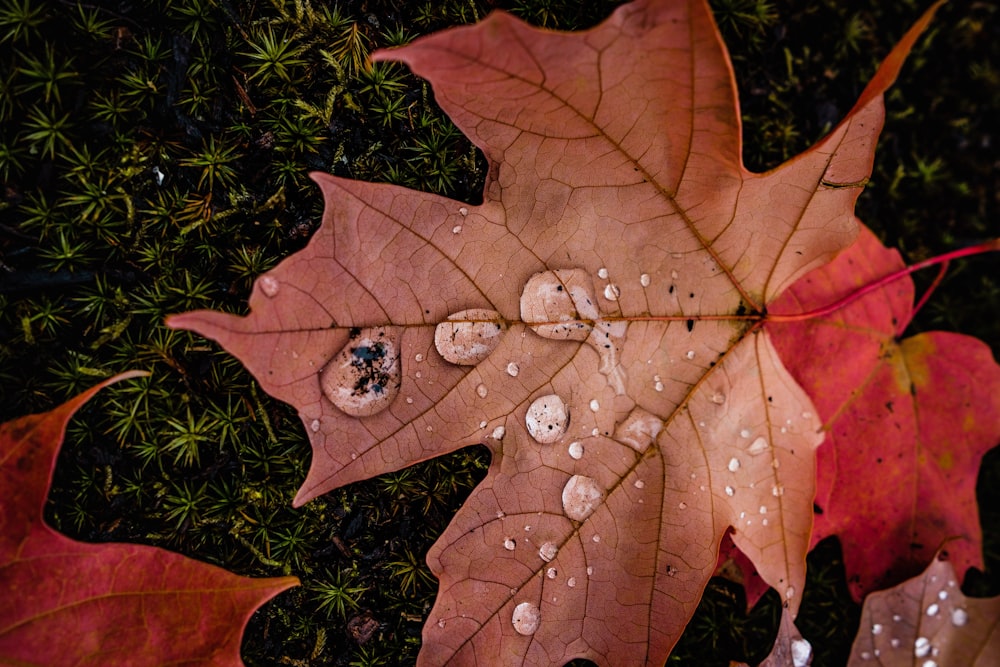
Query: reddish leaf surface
{"points": [[597, 322], [927, 621], [70, 603], [908, 420]]}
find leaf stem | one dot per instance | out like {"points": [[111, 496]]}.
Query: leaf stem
{"points": [[943, 260]]}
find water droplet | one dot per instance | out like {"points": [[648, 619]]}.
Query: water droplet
{"points": [[922, 647], [730, 491], [552, 573], [457, 229], [639, 429], [639, 484], [894, 642], [513, 369], [482, 391], [734, 464], [548, 551], [509, 544], [718, 398], [269, 286], [576, 450], [763, 509], [959, 617], [594, 405], [364, 377], [876, 628], [658, 385], [546, 419], [644, 280], [590, 570], [777, 490], [469, 336], [897, 618], [865, 655], [441, 623], [463, 211], [758, 446], [671, 571], [611, 292], [929, 663], [689, 354], [801, 652], [745, 433], [482, 424], [571, 582], [596, 539], [942, 595], [933, 609], [499, 432], [418, 357], [763, 522], [526, 618], [409, 401], [580, 497], [682, 506], [602, 273], [807, 415], [314, 426], [789, 592]]}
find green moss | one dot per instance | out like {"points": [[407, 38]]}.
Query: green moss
{"points": [[134, 136]]}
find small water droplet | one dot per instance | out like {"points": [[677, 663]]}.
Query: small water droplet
{"points": [[482, 424], [546, 419], [513, 369], [602, 273], [894, 642], [671, 571], [418, 357], [807, 415], [777, 490], [571, 582], [548, 551], [763, 522], [682, 505], [758, 446], [314, 426], [689, 354], [552, 573], [730, 491], [718, 398], [611, 292], [942, 595], [469, 336], [763, 509], [576, 450], [922, 647], [801, 652], [526, 618], [457, 229], [929, 663], [876, 628], [959, 617], [499, 432], [596, 538], [734, 464], [644, 280], [482, 391], [590, 570], [897, 618], [269, 286], [658, 386], [580, 497], [933, 609], [673, 273], [865, 655], [463, 211], [790, 592], [509, 544], [441, 623], [594, 405], [639, 484], [409, 400], [745, 433], [364, 377]]}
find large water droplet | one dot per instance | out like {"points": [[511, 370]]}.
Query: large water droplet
{"points": [[611, 292], [269, 286], [469, 336], [364, 377], [547, 419], [561, 303], [581, 496], [801, 652], [639, 429], [526, 618]]}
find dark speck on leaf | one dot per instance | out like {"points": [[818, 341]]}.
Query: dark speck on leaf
{"points": [[690, 325]]}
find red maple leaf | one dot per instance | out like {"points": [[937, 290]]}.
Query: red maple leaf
{"points": [[71, 603]]}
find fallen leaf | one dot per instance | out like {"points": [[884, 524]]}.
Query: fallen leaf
{"points": [[907, 421], [927, 622], [790, 648], [71, 603], [598, 323]]}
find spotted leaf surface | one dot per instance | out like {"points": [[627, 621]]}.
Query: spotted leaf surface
{"points": [[71, 603], [598, 323], [907, 421], [927, 621]]}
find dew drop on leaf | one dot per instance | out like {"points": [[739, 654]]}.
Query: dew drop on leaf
{"points": [[921, 647], [547, 419], [576, 450], [877, 629], [644, 280], [552, 573], [730, 491], [526, 618], [571, 582], [509, 544], [314, 426], [499, 432], [269, 286], [734, 464], [639, 429], [932, 610], [959, 617], [801, 652], [611, 292], [602, 273], [513, 369], [469, 336], [364, 377], [548, 551], [580, 497], [561, 304], [482, 391], [758, 446]]}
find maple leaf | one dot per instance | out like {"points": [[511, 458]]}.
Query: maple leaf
{"points": [[927, 621], [598, 323], [907, 421], [71, 603]]}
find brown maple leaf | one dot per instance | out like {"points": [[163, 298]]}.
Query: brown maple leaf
{"points": [[598, 323]]}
